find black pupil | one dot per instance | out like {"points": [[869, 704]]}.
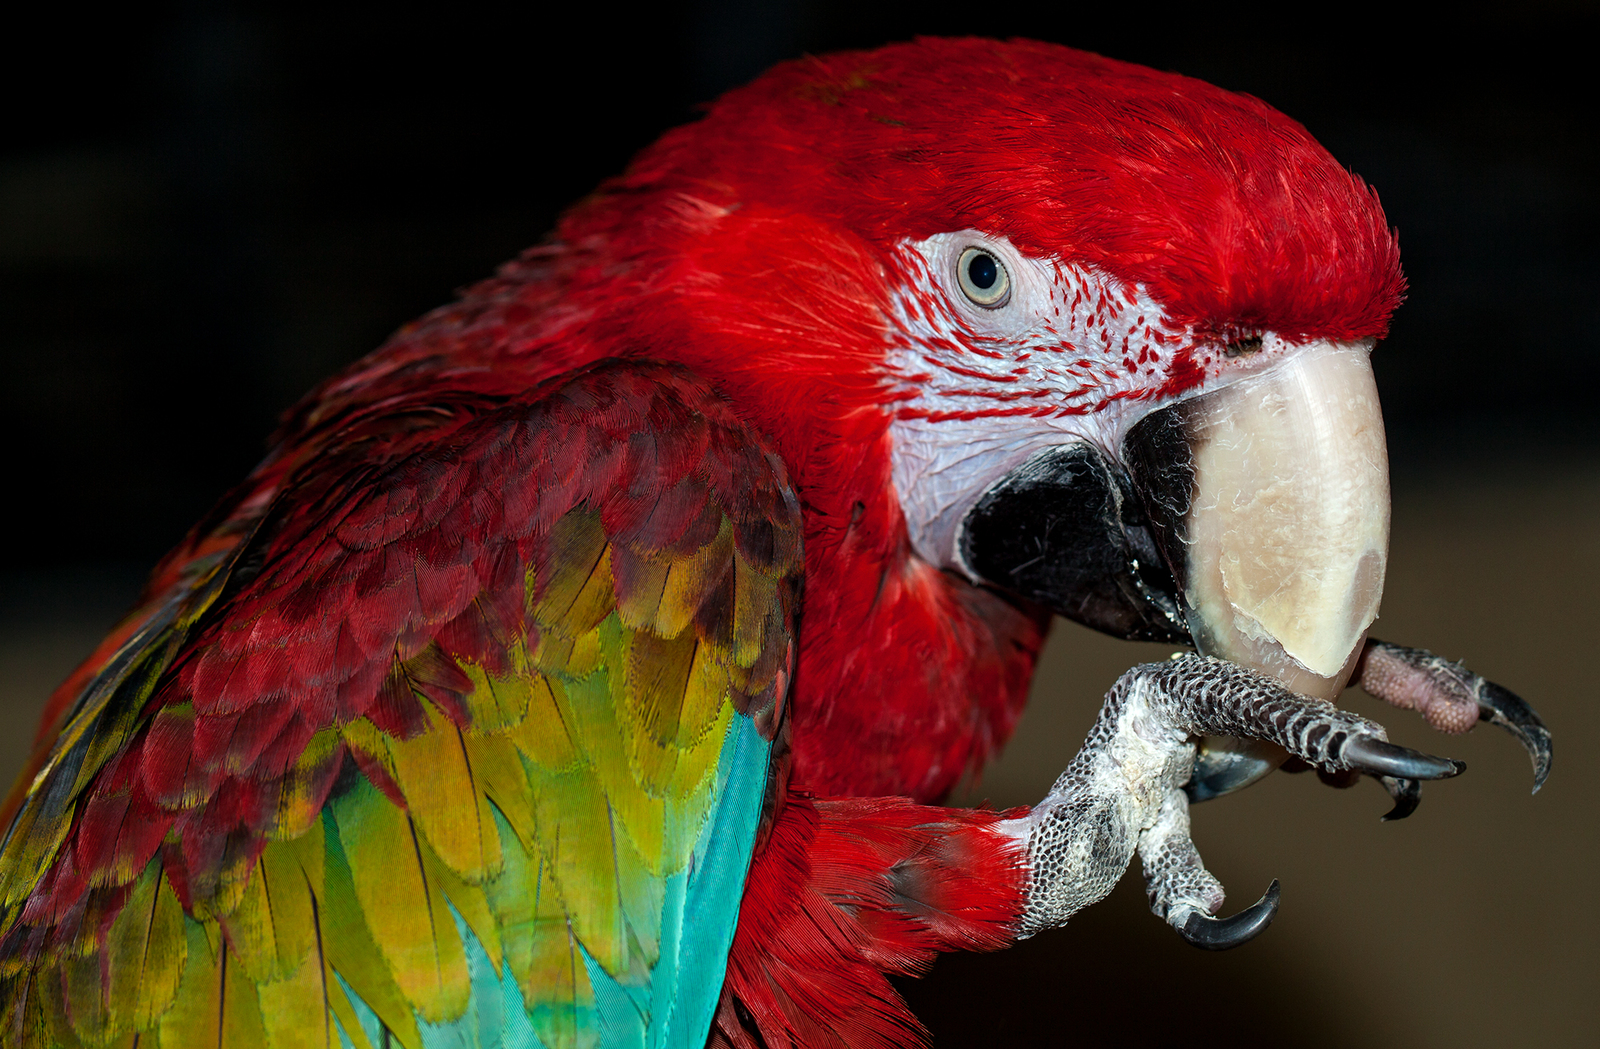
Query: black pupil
{"points": [[983, 271]]}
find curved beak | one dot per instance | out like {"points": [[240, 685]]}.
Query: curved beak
{"points": [[1269, 499], [1251, 521]]}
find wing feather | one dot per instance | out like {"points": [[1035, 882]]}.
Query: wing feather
{"points": [[461, 740]]}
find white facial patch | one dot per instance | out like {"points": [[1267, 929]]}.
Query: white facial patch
{"points": [[1072, 354]]}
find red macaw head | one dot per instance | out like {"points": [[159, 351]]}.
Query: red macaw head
{"points": [[1114, 322]]}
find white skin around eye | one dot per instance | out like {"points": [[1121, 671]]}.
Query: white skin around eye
{"points": [[1074, 354], [989, 387]]}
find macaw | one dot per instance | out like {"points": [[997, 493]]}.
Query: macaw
{"points": [[585, 666]]}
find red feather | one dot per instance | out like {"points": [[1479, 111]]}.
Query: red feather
{"points": [[847, 890]]}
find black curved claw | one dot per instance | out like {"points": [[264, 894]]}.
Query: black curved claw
{"points": [[1378, 758], [1418, 679], [1224, 764], [1407, 794], [1500, 706], [1219, 934]]}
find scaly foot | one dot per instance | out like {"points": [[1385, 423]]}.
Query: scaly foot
{"points": [[1123, 792]]}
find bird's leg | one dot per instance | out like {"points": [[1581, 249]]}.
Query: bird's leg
{"points": [[1123, 792], [1451, 698]]}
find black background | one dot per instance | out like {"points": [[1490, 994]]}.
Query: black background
{"points": [[206, 208]]}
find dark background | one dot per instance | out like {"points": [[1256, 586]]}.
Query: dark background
{"points": [[204, 208]]}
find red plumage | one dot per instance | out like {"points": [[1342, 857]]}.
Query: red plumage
{"points": [[848, 890]]}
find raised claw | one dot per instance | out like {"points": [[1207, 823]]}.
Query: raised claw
{"points": [[1452, 698], [1377, 757], [1219, 934], [1500, 706], [1407, 795]]}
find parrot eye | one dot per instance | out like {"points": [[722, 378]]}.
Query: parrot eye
{"points": [[983, 278]]}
